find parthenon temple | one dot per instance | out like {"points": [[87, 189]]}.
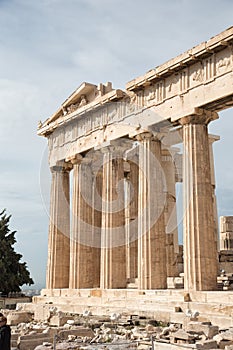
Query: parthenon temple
{"points": [[116, 157]]}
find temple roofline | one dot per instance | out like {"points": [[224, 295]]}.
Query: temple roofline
{"points": [[185, 59], [59, 118]]}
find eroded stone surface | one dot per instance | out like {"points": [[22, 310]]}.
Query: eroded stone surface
{"points": [[122, 332]]}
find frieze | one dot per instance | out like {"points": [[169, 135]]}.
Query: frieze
{"points": [[160, 91], [184, 80], [173, 83], [224, 61], [140, 98], [200, 72], [198, 75], [133, 102], [67, 135], [151, 95], [209, 68], [86, 124], [112, 114], [55, 138], [74, 130]]}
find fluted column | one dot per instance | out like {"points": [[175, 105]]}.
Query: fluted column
{"points": [[212, 139], [152, 236], [59, 229], [97, 184], [172, 245], [131, 217], [84, 261], [74, 243], [113, 249], [200, 248]]}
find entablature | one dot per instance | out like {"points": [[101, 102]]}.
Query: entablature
{"points": [[192, 91], [85, 98], [188, 58]]}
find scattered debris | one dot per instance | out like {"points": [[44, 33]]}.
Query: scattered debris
{"points": [[116, 331]]}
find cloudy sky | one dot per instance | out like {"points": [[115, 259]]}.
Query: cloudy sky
{"points": [[48, 48]]}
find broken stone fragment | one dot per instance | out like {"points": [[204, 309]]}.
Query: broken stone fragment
{"points": [[202, 328], [227, 335], [16, 317], [207, 344], [223, 343], [187, 297], [183, 336], [78, 332]]}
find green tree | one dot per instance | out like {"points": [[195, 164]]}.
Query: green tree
{"points": [[13, 272]]}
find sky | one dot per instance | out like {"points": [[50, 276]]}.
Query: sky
{"points": [[47, 49]]}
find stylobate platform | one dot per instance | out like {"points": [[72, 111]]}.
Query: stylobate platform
{"points": [[162, 305]]}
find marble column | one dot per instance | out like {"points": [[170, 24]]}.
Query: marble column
{"points": [[212, 139], [200, 248], [59, 229], [113, 249], [85, 255], [131, 217], [172, 245], [151, 202], [96, 222]]}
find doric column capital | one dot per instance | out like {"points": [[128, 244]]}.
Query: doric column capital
{"points": [[149, 136], [144, 136], [61, 166], [76, 159], [107, 149], [117, 150], [200, 116]]}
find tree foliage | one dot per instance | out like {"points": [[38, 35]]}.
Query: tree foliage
{"points": [[13, 272]]}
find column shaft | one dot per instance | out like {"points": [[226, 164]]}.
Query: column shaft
{"points": [[59, 230], [113, 249], [96, 224], [84, 259], [172, 245], [131, 222], [212, 139], [200, 249], [152, 236]]}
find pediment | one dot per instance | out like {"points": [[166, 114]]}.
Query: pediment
{"points": [[85, 94]]}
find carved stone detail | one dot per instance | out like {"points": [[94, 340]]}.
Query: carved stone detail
{"points": [[198, 75], [223, 64]]}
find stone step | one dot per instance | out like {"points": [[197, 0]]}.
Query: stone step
{"points": [[162, 305]]}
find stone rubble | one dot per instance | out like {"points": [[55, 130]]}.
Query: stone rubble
{"points": [[113, 332]]}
